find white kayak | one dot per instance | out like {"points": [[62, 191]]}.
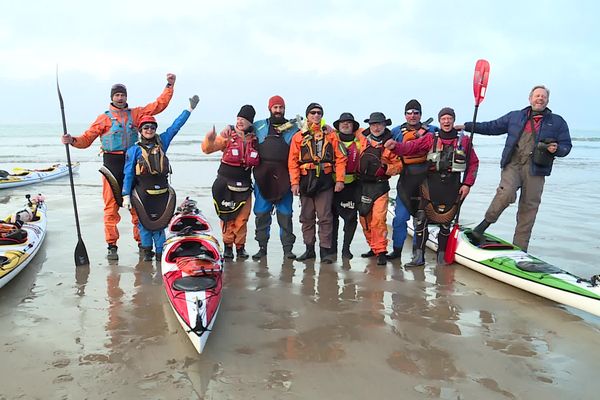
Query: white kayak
{"points": [[192, 269], [24, 176], [19, 243], [507, 263]]}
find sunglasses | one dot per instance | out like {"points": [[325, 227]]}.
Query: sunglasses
{"points": [[315, 112], [149, 127], [412, 112]]}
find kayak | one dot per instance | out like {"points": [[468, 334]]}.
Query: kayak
{"points": [[24, 176], [507, 263], [20, 241], [192, 269]]}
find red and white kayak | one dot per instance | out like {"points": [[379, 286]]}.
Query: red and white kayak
{"points": [[192, 269]]}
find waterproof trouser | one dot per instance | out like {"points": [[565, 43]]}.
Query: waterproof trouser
{"points": [[316, 208], [350, 224], [513, 177], [234, 231], [263, 209], [375, 226], [112, 217], [152, 237]]}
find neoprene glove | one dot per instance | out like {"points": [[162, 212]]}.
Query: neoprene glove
{"points": [[194, 101], [127, 202]]}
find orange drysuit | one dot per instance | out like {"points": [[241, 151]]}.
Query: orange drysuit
{"points": [[102, 126], [374, 223]]}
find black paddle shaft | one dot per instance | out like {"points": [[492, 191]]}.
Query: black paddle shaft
{"points": [[81, 257]]}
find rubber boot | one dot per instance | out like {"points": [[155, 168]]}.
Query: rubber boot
{"points": [[418, 259], [309, 254], [287, 253], [228, 253], [396, 253], [382, 259], [112, 252], [368, 254], [148, 254], [477, 233], [327, 255], [262, 252], [241, 252], [440, 260]]}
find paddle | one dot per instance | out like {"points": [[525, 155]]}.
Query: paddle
{"points": [[480, 81], [81, 256]]}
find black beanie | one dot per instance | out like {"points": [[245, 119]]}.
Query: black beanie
{"points": [[412, 105], [247, 112], [314, 105], [117, 88], [446, 111]]}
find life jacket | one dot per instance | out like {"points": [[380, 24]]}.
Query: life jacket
{"points": [[153, 160], [241, 152], [447, 157], [407, 136], [122, 134], [370, 159], [316, 152], [353, 163]]}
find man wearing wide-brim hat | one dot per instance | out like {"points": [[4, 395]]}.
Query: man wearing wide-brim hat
{"points": [[345, 202], [377, 164]]}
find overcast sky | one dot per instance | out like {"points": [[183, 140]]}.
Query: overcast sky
{"points": [[357, 56]]}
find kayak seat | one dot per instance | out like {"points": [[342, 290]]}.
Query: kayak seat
{"points": [[15, 236], [194, 283], [3, 260], [490, 243], [190, 248], [192, 222], [532, 266]]}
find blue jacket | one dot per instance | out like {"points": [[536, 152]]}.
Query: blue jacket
{"points": [[553, 126], [135, 152], [262, 130]]}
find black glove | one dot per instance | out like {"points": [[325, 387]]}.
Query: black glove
{"points": [[194, 101]]}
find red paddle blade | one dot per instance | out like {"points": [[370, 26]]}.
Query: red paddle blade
{"points": [[452, 245], [480, 80]]}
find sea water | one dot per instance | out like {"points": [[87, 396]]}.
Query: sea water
{"points": [[566, 232]]}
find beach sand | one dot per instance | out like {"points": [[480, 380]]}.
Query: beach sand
{"points": [[285, 330]]}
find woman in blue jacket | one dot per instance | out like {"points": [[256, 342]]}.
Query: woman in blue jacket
{"points": [[146, 185]]}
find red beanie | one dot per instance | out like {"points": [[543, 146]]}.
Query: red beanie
{"points": [[275, 100]]}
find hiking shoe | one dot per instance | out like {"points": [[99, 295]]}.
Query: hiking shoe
{"points": [[228, 253], [382, 259], [368, 254], [242, 253], [262, 252], [112, 252]]}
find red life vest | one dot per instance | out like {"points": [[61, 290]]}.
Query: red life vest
{"points": [[241, 151]]}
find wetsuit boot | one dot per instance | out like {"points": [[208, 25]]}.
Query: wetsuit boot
{"points": [[308, 254], [382, 259], [228, 252], [148, 254], [368, 254], [112, 252], [394, 254], [327, 255], [418, 259], [262, 252], [241, 252], [287, 253]]}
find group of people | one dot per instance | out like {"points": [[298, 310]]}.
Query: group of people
{"points": [[339, 172]]}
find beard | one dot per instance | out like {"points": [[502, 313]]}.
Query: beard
{"points": [[277, 119]]}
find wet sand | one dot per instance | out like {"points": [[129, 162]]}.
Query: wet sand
{"points": [[285, 330]]}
